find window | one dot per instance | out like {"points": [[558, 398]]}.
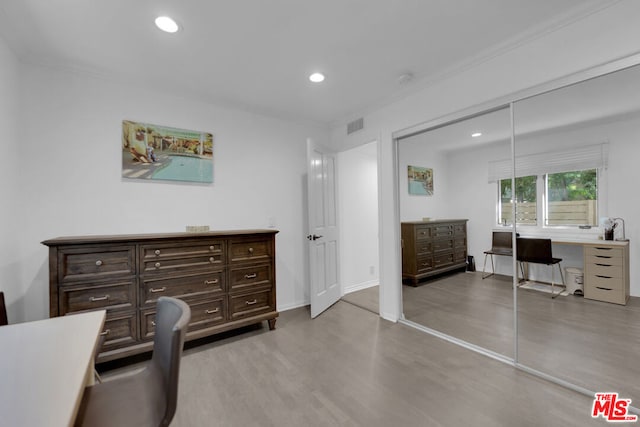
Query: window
{"points": [[569, 199], [572, 198], [553, 188], [525, 197]]}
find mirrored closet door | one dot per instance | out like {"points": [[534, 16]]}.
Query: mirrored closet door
{"points": [[577, 153], [448, 211]]}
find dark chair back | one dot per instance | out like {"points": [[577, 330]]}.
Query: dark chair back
{"points": [[537, 251], [172, 318], [501, 241], [3, 311]]}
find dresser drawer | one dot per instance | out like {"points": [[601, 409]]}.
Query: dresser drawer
{"points": [[603, 252], [168, 265], [604, 260], [606, 291], [424, 248], [442, 245], [442, 260], [182, 286], [425, 264], [250, 250], [603, 282], [460, 256], [460, 243], [247, 305], [160, 251], [250, 277], [424, 233], [158, 258], [459, 229], [120, 330], [108, 295], [207, 313], [605, 270], [203, 315], [95, 263], [440, 231]]}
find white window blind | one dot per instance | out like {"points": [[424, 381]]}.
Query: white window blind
{"points": [[574, 159]]}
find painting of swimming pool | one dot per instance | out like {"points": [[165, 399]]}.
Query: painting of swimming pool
{"points": [[420, 180], [162, 153]]}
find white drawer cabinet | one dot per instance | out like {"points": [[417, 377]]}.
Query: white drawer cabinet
{"points": [[606, 272]]}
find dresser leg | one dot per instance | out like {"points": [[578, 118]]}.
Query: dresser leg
{"points": [[272, 324]]}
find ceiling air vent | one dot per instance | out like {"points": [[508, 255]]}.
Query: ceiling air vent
{"points": [[355, 125]]}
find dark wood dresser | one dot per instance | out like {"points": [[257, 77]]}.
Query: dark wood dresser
{"points": [[433, 247], [227, 278]]}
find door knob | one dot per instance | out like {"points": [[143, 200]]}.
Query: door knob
{"points": [[313, 237]]}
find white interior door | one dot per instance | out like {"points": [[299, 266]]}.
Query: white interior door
{"points": [[323, 228]]}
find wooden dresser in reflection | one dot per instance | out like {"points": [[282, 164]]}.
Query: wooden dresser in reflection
{"points": [[433, 247], [227, 278]]}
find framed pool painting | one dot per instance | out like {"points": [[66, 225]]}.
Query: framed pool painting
{"points": [[420, 180], [162, 153]]}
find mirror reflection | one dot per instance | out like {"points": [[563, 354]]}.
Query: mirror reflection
{"points": [[576, 153], [576, 211], [448, 213]]}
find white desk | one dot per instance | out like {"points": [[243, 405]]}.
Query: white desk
{"points": [[44, 368], [606, 268]]}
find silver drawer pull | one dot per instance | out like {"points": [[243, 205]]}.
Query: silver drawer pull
{"points": [[251, 276], [250, 250], [157, 252], [157, 265], [212, 259], [105, 333], [425, 264], [99, 263], [211, 282], [103, 298], [153, 323], [212, 311], [251, 302], [212, 248], [154, 290]]}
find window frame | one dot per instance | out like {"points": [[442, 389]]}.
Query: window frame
{"points": [[504, 223], [542, 203]]}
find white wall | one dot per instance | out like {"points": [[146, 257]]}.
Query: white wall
{"points": [[358, 207], [69, 177], [598, 38], [474, 198], [10, 186]]}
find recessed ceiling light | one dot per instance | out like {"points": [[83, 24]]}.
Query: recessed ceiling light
{"points": [[476, 134], [316, 77], [167, 24]]}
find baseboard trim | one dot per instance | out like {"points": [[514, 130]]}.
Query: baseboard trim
{"points": [[292, 306], [361, 286]]}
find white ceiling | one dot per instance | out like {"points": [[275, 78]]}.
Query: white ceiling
{"points": [[257, 54]]}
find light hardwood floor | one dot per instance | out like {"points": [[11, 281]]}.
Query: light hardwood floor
{"points": [[589, 343], [348, 367], [368, 298]]}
